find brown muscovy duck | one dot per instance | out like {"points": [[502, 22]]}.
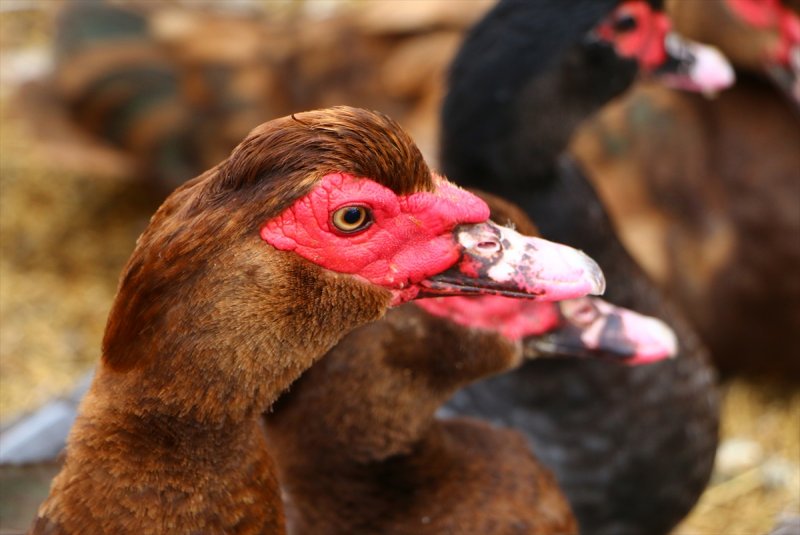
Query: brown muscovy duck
{"points": [[526, 76], [359, 449], [705, 192], [316, 223]]}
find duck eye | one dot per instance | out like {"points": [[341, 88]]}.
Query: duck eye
{"points": [[349, 219], [625, 23]]}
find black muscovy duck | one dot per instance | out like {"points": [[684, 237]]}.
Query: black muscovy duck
{"points": [[524, 79]]}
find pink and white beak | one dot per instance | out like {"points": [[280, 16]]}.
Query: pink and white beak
{"points": [[497, 260], [592, 328], [692, 66]]}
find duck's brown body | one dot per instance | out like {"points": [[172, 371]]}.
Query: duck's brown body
{"points": [[359, 449]]}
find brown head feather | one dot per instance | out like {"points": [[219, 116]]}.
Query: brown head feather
{"points": [[282, 159], [214, 219]]}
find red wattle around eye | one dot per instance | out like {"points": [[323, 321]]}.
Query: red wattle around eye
{"points": [[409, 239], [645, 42]]}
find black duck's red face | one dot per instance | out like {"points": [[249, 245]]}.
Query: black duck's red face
{"points": [[436, 242], [586, 327], [638, 32]]}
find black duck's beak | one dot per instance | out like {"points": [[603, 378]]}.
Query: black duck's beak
{"points": [[692, 66], [593, 328], [497, 260]]}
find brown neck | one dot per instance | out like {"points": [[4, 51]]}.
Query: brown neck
{"points": [[137, 473], [375, 394], [359, 426], [220, 347]]}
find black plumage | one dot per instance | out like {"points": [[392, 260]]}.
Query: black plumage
{"points": [[524, 79]]}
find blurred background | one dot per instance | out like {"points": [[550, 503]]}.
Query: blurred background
{"points": [[81, 173]]}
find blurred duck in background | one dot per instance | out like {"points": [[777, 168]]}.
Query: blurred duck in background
{"points": [[177, 89], [526, 77], [174, 89], [705, 193]]}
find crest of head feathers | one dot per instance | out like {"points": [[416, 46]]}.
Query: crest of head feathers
{"points": [[281, 160]]}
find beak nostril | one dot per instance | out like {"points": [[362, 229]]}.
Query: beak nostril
{"points": [[488, 246]]}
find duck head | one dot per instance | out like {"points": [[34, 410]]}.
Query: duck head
{"points": [[315, 224], [780, 27], [759, 36], [638, 31], [530, 72], [434, 242]]}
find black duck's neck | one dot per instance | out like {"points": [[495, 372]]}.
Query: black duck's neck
{"points": [[525, 78], [567, 208]]}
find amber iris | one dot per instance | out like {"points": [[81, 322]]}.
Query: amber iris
{"points": [[350, 219]]}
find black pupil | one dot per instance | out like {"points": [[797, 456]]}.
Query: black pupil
{"points": [[352, 216], [625, 23]]}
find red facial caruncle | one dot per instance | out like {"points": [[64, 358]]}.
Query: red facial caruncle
{"points": [[638, 32], [406, 239], [515, 319]]}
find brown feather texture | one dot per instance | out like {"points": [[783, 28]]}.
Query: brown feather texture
{"points": [[360, 451]]}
